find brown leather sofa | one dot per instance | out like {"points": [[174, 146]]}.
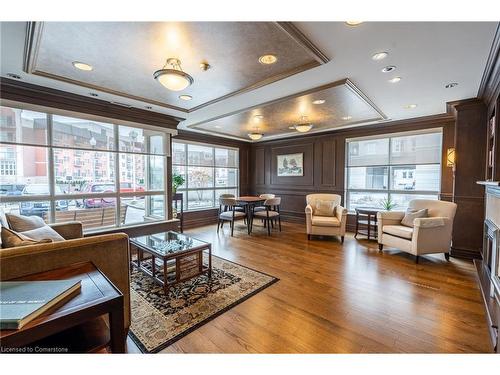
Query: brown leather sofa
{"points": [[108, 252]]}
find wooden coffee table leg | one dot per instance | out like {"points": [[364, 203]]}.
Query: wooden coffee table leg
{"points": [[165, 278], [153, 266], [116, 329], [210, 260]]}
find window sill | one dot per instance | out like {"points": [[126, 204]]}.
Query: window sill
{"points": [[138, 225]]}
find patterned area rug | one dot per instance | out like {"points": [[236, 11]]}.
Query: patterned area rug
{"points": [[158, 321]]}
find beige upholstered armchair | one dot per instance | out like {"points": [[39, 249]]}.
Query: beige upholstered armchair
{"points": [[429, 234], [321, 222]]}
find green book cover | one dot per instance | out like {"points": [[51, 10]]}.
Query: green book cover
{"points": [[22, 301]]}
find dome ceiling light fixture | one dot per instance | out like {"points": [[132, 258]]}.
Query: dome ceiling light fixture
{"points": [[303, 126], [256, 135], [172, 77]]}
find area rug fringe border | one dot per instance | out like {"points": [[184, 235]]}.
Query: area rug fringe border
{"points": [[167, 343]]}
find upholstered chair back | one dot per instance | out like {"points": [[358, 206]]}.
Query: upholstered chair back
{"points": [[226, 196], [312, 198], [229, 202], [267, 196], [434, 208], [272, 202]]}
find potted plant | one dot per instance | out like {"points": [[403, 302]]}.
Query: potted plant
{"points": [[387, 204], [177, 180]]}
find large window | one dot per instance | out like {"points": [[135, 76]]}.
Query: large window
{"points": [[399, 168], [209, 171], [64, 168]]}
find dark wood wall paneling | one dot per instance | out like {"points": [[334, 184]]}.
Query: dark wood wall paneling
{"points": [[205, 217], [324, 162]]}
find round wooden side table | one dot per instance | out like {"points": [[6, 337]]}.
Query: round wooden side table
{"points": [[366, 222]]}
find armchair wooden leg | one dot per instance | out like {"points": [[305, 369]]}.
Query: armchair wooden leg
{"points": [[447, 256], [342, 239], [380, 247], [416, 259], [279, 221], [309, 237]]}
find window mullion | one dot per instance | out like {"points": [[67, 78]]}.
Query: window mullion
{"points": [[50, 170], [118, 202]]}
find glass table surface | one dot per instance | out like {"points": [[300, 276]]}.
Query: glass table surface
{"points": [[168, 243]]}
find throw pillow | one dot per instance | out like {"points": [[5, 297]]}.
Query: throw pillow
{"points": [[19, 223], [411, 215], [43, 233], [11, 238], [324, 208]]}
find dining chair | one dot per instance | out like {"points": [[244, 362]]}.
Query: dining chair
{"points": [[263, 196], [229, 214], [271, 213], [237, 208]]}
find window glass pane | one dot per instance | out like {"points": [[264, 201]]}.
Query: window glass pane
{"points": [[84, 171], [21, 126], [402, 200], [22, 165], [200, 199], [416, 177], [226, 177], [156, 144], [34, 208], [368, 152], [178, 153], [200, 155], [132, 172], [140, 209], [368, 178], [226, 157], [200, 177], [365, 199], [156, 173], [93, 213], [79, 133], [131, 139], [416, 149]]}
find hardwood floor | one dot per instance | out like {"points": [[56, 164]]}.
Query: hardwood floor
{"points": [[341, 299]]}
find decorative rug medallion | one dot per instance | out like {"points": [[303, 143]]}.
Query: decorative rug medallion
{"points": [[158, 321]]}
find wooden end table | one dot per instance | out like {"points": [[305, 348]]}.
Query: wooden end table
{"points": [[366, 222], [82, 316], [175, 256]]}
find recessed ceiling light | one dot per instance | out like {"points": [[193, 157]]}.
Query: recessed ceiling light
{"points": [[395, 80], [346, 118], [148, 107], [388, 69], [185, 97], [217, 127], [268, 59], [410, 106], [82, 66], [93, 94], [380, 56], [319, 101], [353, 23], [12, 75], [451, 85]]}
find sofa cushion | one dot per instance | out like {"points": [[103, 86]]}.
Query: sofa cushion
{"points": [[12, 238], [398, 231], [21, 223], [324, 208], [325, 221], [411, 215], [43, 233]]}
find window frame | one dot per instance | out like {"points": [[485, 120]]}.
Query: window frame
{"points": [[50, 146], [213, 166], [390, 191]]}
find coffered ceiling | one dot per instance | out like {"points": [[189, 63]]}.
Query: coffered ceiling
{"points": [[313, 57]]}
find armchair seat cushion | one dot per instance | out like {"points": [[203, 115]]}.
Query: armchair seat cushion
{"points": [[398, 231], [228, 215], [325, 221]]}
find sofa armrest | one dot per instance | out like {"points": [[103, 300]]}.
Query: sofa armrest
{"points": [[109, 253], [309, 210], [69, 230], [340, 213]]}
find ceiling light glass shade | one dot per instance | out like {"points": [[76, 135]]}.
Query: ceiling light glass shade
{"points": [[173, 78], [302, 128], [255, 136], [379, 56], [395, 80], [185, 97], [319, 101], [82, 66]]}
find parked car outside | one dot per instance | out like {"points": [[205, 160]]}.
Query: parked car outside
{"points": [[11, 189], [106, 187], [39, 208]]}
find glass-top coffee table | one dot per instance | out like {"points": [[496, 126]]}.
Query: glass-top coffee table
{"points": [[171, 257]]}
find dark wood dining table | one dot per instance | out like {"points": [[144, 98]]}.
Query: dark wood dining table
{"points": [[249, 202]]}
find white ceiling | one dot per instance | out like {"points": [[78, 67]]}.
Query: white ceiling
{"points": [[428, 55]]}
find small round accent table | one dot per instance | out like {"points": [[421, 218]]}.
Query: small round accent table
{"points": [[366, 222]]}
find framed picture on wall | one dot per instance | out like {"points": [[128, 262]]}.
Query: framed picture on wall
{"points": [[290, 165]]}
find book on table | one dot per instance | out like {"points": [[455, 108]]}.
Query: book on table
{"points": [[23, 301]]}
